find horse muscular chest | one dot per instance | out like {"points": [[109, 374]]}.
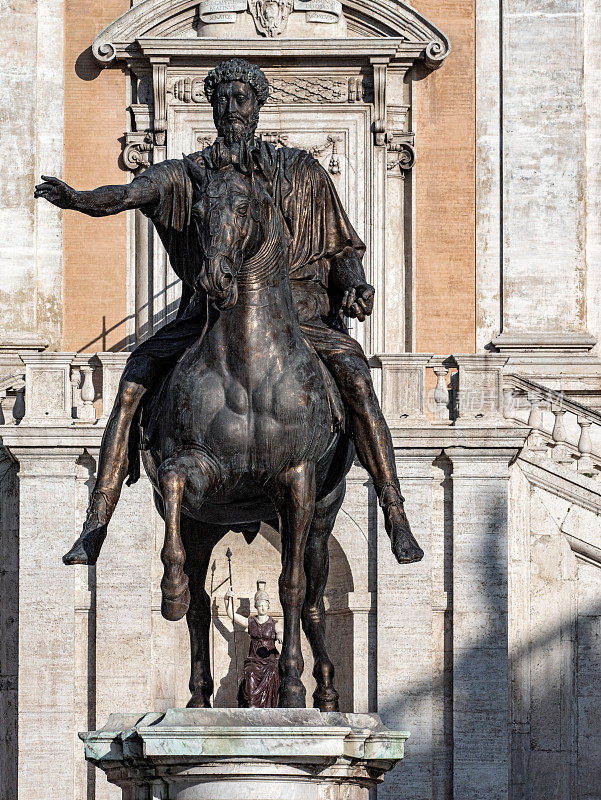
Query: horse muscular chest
{"points": [[257, 392]]}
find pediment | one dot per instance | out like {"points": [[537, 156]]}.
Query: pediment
{"points": [[175, 23]]}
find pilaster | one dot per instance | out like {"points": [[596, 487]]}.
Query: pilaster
{"points": [[481, 711], [46, 625], [405, 669]]}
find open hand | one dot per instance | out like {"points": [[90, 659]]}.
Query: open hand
{"points": [[56, 192], [358, 301]]}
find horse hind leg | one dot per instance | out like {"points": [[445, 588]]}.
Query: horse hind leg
{"points": [[317, 564], [184, 471]]}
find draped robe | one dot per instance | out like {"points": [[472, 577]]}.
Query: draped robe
{"points": [[319, 234]]}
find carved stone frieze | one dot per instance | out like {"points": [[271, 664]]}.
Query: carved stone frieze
{"points": [[333, 143], [309, 89]]}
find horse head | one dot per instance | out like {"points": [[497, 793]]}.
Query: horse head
{"points": [[232, 217]]}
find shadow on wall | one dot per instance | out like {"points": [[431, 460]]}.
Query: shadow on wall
{"points": [[9, 624], [479, 682], [128, 343]]}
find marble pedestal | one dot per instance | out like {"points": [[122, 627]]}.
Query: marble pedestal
{"points": [[244, 754]]}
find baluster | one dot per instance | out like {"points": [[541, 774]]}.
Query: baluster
{"points": [[508, 402], [536, 439], [2, 407], [19, 404], [75, 391], [560, 453], [585, 448], [441, 393], [87, 412]]}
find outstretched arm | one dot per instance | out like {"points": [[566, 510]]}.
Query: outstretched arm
{"points": [[101, 202], [229, 607], [346, 271]]}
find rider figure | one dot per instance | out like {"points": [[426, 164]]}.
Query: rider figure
{"points": [[327, 280]]}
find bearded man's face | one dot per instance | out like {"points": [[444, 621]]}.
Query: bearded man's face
{"points": [[235, 111]]}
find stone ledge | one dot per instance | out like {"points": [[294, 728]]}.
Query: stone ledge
{"points": [[192, 733], [201, 754]]}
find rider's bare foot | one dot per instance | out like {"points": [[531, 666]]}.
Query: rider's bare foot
{"points": [[404, 546], [86, 548]]}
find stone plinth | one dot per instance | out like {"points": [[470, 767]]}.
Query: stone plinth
{"points": [[243, 754]]}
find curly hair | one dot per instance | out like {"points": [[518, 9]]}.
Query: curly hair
{"points": [[237, 69]]}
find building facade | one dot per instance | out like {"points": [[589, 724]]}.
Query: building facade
{"points": [[463, 139]]}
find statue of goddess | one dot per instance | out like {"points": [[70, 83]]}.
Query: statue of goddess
{"points": [[261, 681]]}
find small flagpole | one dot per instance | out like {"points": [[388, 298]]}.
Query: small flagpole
{"points": [[229, 561]]}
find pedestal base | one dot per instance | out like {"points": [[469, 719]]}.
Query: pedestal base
{"points": [[244, 754]]}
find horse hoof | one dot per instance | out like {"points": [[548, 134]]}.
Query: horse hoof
{"points": [[326, 699], [175, 608], [198, 700], [292, 695]]}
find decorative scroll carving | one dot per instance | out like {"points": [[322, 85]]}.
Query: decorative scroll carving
{"points": [[310, 89], [380, 67], [270, 16], [324, 11], [436, 52], [159, 82], [220, 11], [401, 152], [138, 149]]}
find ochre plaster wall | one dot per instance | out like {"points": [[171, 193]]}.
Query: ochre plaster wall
{"points": [[445, 188], [94, 249]]}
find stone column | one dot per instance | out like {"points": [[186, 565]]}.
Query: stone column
{"points": [[46, 625], [481, 713], [404, 598]]}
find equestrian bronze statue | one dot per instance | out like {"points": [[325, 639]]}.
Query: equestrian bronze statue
{"points": [[249, 406]]}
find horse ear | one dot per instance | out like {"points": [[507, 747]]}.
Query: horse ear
{"points": [[194, 170], [255, 209]]}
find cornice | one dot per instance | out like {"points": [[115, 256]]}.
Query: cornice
{"points": [[151, 25]]}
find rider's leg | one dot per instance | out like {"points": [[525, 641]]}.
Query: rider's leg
{"points": [[374, 447], [112, 463]]}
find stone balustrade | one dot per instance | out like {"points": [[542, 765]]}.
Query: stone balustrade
{"points": [[78, 389], [416, 389], [61, 389], [560, 428]]}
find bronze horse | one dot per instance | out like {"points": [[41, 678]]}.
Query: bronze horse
{"points": [[245, 436]]}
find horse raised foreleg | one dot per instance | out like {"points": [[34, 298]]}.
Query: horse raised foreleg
{"points": [[317, 563], [199, 540], [186, 470], [294, 498]]}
